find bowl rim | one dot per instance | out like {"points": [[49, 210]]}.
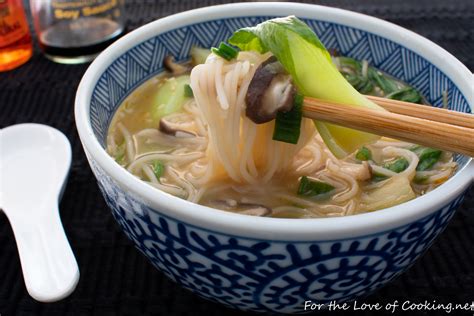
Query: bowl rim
{"points": [[202, 217]]}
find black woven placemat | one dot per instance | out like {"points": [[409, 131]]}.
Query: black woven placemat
{"points": [[115, 278]]}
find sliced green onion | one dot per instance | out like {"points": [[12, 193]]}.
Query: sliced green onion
{"points": [[419, 179], [377, 177], [225, 51], [354, 80], [387, 85], [365, 87], [288, 124], [352, 71], [313, 188], [428, 157], [364, 154], [361, 84], [407, 94], [158, 168], [347, 62], [188, 91], [397, 165]]}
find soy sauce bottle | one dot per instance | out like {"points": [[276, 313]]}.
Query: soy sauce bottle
{"points": [[76, 31]]}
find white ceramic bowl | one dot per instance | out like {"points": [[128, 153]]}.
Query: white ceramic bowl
{"points": [[270, 264]]}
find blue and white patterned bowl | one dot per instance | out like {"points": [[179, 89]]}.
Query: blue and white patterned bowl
{"points": [[270, 264]]}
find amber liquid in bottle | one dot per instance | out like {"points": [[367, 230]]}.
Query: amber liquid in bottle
{"points": [[15, 38]]}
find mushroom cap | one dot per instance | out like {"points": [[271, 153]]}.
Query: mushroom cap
{"points": [[270, 91]]}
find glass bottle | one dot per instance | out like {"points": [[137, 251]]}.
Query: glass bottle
{"points": [[15, 39], [76, 31]]}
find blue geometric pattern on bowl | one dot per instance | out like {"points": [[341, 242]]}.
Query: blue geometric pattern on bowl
{"points": [[266, 275]]}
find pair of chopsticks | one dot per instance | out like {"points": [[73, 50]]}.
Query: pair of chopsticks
{"points": [[420, 124]]}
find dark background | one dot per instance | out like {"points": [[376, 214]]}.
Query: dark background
{"points": [[115, 278]]}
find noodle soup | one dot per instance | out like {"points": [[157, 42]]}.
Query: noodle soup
{"points": [[270, 188], [199, 132]]}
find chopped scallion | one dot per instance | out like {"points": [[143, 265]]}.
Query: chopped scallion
{"points": [[428, 157], [313, 188], [288, 124], [387, 85], [397, 165], [365, 83], [407, 94], [225, 51], [376, 177], [364, 154], [365, 87], [419, 179], [158, 168], [347, 63], [353, 79]]}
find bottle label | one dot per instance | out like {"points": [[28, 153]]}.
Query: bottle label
{"points": [[13, 24], [74, 9]]}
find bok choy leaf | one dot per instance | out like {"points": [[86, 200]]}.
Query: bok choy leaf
{"points": [[306, 59], [170, 97]]}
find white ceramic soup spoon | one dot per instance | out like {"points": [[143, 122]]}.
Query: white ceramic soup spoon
{"points": [[34, 163]]}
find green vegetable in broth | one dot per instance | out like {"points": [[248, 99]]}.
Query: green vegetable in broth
{"points": [[428, 157], [364, 154], [388, 86], [170, 97], [367, 80], [407, 94], [158, 169], [288, 124], [420, 179], [361, 84], [347, 65], [377, 177], [398, 165], [308, 62], [313, 188]]}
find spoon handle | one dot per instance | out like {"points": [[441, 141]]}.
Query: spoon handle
{"points": [[49, 267]]}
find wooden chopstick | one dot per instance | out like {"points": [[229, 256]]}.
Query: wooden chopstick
{"points": [[425, 111], [451, 137]]}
